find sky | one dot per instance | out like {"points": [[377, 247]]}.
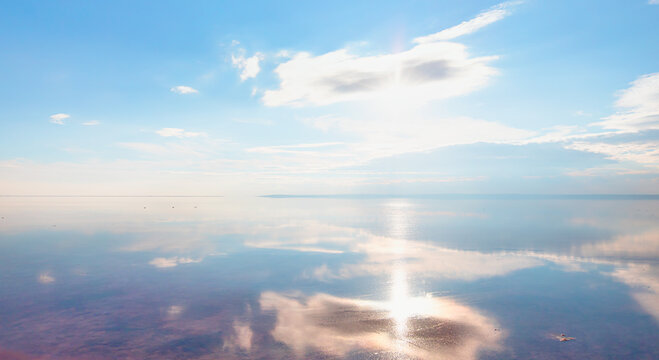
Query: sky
{"points": [[413, 97]]}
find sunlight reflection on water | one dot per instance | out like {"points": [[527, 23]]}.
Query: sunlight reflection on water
{"points": [[200, 278]]}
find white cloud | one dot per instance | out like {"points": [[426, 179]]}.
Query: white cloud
{"points": [[384, 134], [639, 106], [467, 27], [433, 69], [181, 89], [653, 2], [249, 66], [59, 118], [91, 123], [179, 133], [646, 153], [627, 135], [428, 71]]}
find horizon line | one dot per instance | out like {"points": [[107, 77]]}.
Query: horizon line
{"points": [[111, 195], [466, 195], [371, 195]]}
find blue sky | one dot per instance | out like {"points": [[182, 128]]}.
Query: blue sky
{"points": [[206, 98]]}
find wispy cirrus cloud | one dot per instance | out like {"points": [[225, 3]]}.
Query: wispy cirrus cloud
{"points": [[182, 89], [59, 118], [641, 152], [91, 123], [629, 136], [483, 19], [638, 104]]}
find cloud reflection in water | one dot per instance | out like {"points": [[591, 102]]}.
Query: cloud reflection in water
{"points": [[432, 328]]}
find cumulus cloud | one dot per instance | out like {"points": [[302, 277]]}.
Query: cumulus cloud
{"points": [[248, 66], [467, 27], [59, 118], [182, 89], [427, 71], [639, 106], [179, 133]]}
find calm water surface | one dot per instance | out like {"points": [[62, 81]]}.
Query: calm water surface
{"points": [[323, 278]]}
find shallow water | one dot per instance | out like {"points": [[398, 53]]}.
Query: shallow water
{"points": [[358, 278]]}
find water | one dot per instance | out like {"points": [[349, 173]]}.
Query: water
{"points": [[352, 277]]}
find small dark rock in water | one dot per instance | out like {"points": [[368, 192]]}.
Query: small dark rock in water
{"points": [[564, 338]]}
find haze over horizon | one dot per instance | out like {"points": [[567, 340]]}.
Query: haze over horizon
{"points": [[207, 98]]}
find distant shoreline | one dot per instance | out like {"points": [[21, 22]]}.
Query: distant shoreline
{"points": [[118, 196], [385, 196], [474, 196]]}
